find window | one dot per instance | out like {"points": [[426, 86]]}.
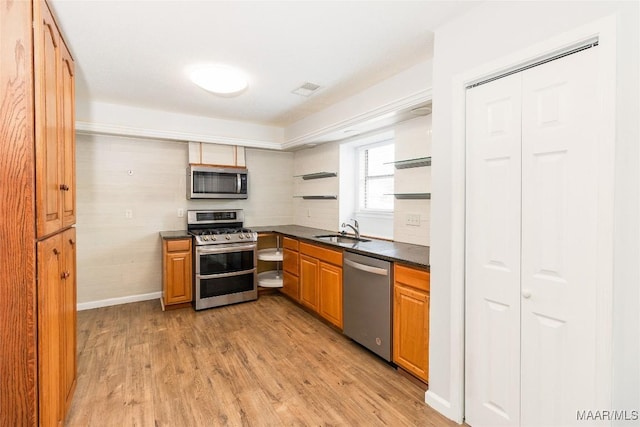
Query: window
{"points": [[375, 176]]}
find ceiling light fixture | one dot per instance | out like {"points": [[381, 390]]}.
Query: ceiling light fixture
{"points": [[219, 79]]}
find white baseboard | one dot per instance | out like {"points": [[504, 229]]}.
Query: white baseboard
{"points": [[118, 301], [441, 405]]}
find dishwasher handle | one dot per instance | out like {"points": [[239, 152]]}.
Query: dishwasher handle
{"points": [[369, 269]]}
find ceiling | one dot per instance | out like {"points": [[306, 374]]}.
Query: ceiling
{"points": [[138, 52]]}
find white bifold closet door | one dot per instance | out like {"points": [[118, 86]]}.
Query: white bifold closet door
{"points": [[531, 245]]}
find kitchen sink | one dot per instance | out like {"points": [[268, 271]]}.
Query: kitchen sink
{"points": [[340, 238]]}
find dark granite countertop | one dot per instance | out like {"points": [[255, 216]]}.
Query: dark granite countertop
{"points": [[177, 234], [406, 253]]}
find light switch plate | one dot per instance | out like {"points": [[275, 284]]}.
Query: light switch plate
{"points": [[413, 220]]}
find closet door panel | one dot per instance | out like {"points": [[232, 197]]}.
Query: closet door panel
{"points": [[559, 239], [493, 253]]}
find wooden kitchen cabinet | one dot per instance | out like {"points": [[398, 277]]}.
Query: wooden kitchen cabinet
{"points": [[68, 317], [411, 320], [54, 125], [330, 293], [177, 276], [56, 326], [37, 158], [309, 268], [290, 265], [67, 127], [321, 281], [202, 153]]}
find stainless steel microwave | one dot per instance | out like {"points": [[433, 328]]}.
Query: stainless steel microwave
{"points": [[211, 182]]}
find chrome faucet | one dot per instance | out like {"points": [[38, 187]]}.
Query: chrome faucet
{"points": [[355, 229]]}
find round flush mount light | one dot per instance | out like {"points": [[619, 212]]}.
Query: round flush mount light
{"points": [[219, 79]]}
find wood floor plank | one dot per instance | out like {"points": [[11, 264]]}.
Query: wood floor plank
{"points": [[262, 363]]}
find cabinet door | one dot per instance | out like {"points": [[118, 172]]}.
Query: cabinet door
{"points": [[217, 154], [178, 275], [411, 330], [331, 293], [309, 276], [50, 268], [68, 319], [291, 285], [48, 142], [67, 136]]}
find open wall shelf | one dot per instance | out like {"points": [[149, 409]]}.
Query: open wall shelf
{"points": [[325, 197], [411, 195], [317, 175], [411, 163]]}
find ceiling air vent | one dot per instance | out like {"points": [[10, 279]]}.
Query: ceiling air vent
{"points": [[306, 89]]}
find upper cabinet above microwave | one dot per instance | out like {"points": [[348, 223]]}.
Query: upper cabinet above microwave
{"points": [[202, 153]]}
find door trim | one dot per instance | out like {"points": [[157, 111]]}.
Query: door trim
{"points": [[452, 406]]}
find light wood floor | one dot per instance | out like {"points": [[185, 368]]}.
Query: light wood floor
{"points": [[262, 363]]}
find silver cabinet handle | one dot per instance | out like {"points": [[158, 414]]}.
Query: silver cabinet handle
{"points": [[369, 269]]}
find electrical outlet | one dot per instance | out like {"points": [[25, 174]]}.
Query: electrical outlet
{"points": [[413, 220], [180, 213], [128, 213]]}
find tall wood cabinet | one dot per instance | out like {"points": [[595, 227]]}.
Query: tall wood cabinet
{"points": [[37, 238], [56, 325], [54, 125]]}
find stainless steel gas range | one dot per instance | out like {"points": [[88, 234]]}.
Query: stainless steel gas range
{"points": [[225, 260]]}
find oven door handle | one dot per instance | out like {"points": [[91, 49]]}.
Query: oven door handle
{"points": [[221, 275], [224, 249]]}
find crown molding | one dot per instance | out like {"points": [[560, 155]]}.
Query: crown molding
{"points": [[129, 131], [391, 107]]}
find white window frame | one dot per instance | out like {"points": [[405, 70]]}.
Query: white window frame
{"points": [[363, 211]]}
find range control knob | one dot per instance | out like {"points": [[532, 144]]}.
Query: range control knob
{"points": [[248, 236], [214, 238], [241, 236], [227, 237], [205, 238]]}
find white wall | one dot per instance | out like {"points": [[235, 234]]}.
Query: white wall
{"points": [[412, 140], [501, 29], [120, 257], [317, 213]]}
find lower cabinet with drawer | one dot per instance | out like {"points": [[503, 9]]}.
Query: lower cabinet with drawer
{"points": [[411, 320], [290, 267], [176, 276], [321, 281]]}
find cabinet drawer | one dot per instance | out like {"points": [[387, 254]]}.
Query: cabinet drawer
{"points": [[289, 243], [178, 245], [290, 261], [413, 277], [323, 254]]}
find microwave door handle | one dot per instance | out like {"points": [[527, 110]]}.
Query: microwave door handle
{"points": [[238, 183]]}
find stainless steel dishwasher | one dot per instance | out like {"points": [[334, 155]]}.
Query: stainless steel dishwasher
{"points": [[367, 302]]}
